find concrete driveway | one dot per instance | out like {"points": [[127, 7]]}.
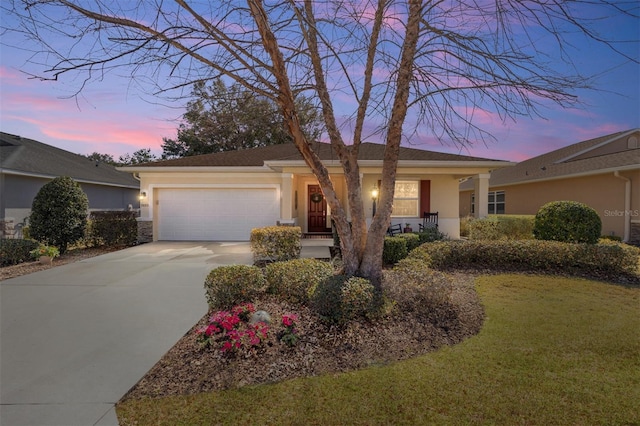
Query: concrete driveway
{"points": [[75, 338]]}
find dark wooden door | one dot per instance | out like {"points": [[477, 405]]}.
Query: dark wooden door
{"points": [[317, 210]]}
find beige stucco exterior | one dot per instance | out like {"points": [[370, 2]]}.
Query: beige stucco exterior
{"points": [[292, 180], [616, 198]]}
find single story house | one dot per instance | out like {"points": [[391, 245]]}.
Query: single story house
{"points": [[26, 165], [222, 196], [603, 173]]}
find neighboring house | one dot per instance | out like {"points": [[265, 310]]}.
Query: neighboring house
{"points": [[222, 196], [26, 165], [603, 173]]}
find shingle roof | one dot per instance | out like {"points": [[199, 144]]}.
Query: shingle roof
{"points": [[603, 153], [284, 152], [31, 157]]}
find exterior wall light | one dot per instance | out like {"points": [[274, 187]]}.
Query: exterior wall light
{"points": [[142, 195], [374, 197]]}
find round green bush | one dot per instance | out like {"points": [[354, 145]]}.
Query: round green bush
{"points": [[568, 222], [228, 286], [340, 299], [291, 280], [59, 213]]}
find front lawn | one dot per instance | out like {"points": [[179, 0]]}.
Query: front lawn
{"points": [[552, 351]]}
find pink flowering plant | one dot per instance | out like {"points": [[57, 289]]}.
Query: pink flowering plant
{"points": [[230, 330], [289, 335]]}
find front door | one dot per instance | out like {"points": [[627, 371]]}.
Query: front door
{"points": [[317, 211]]}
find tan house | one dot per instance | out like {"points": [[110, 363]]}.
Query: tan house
{"points": [[222, 196], [603, 173]]}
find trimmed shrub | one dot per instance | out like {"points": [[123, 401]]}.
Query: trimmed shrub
{"points": [[113, 228], [429, 235], [59, 213], [292, 280], [340, 299], [484, 229], [276, 243], [498, 227], [531, 255], [416, 288], [228, 286], [13, 252], [395, 249], [567, 221], [411, 240]]}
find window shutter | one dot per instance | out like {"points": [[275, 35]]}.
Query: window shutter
{"points": [[425, 196]]}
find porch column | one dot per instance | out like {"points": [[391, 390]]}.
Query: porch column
{"points": [[481, 190], [286, 198]]}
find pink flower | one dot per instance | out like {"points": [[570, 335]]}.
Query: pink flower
{"points": [[211, 329], [288, 320]]}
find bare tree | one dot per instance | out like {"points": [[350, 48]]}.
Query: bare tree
{"points": [[444, 59]]}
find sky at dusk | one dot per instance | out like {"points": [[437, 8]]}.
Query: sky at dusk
{"points": [[115, 116]]}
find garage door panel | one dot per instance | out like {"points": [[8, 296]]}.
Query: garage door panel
{"points": [[215, 214]]}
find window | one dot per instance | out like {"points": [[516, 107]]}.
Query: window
{"points": [[406, 199], [496, 202]]}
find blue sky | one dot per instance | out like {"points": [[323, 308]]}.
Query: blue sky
{"points": [[113, 115]]}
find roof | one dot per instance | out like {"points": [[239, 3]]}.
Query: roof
{"points": [[594, 156], [288, 152], [24, 156]]}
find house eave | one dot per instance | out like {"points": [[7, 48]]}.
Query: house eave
{"points": [[492, 164], [48, 176], [608, 170], [194, 169]]}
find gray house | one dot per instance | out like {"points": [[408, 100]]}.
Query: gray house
{"points": [[26, 165]]}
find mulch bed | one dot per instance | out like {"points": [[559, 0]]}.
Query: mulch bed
{"points": [[70, 256], [190, 368]]}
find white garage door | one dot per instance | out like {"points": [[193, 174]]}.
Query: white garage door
{"points": [[215, 214]]}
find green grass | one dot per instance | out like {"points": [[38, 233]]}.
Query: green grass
{"points": [[553, 351]]}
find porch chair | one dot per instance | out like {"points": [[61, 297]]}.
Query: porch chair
{"points": [[429, 220], [394, 230]]}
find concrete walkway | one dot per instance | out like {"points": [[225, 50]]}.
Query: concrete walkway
{"points": [[75, 338]]}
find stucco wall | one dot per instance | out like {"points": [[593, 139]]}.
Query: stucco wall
{"points": [[604, 193]]}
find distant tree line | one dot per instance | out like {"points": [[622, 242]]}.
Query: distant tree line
{"points": [[221, 118]]}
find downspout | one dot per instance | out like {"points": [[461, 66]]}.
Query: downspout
{"points": [[627, 205]]}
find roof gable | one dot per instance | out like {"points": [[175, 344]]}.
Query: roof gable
{"points": [[604, 153], [30, 157]]}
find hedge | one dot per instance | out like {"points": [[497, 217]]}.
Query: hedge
{"points": [[16, 251], [276, 243], [113, 228], [533, 255]]}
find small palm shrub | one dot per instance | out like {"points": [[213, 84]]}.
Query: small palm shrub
{"points": [[228, 286], [59, 213], [567, 221], [16, 251], [339, 299], [291, 280]]}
